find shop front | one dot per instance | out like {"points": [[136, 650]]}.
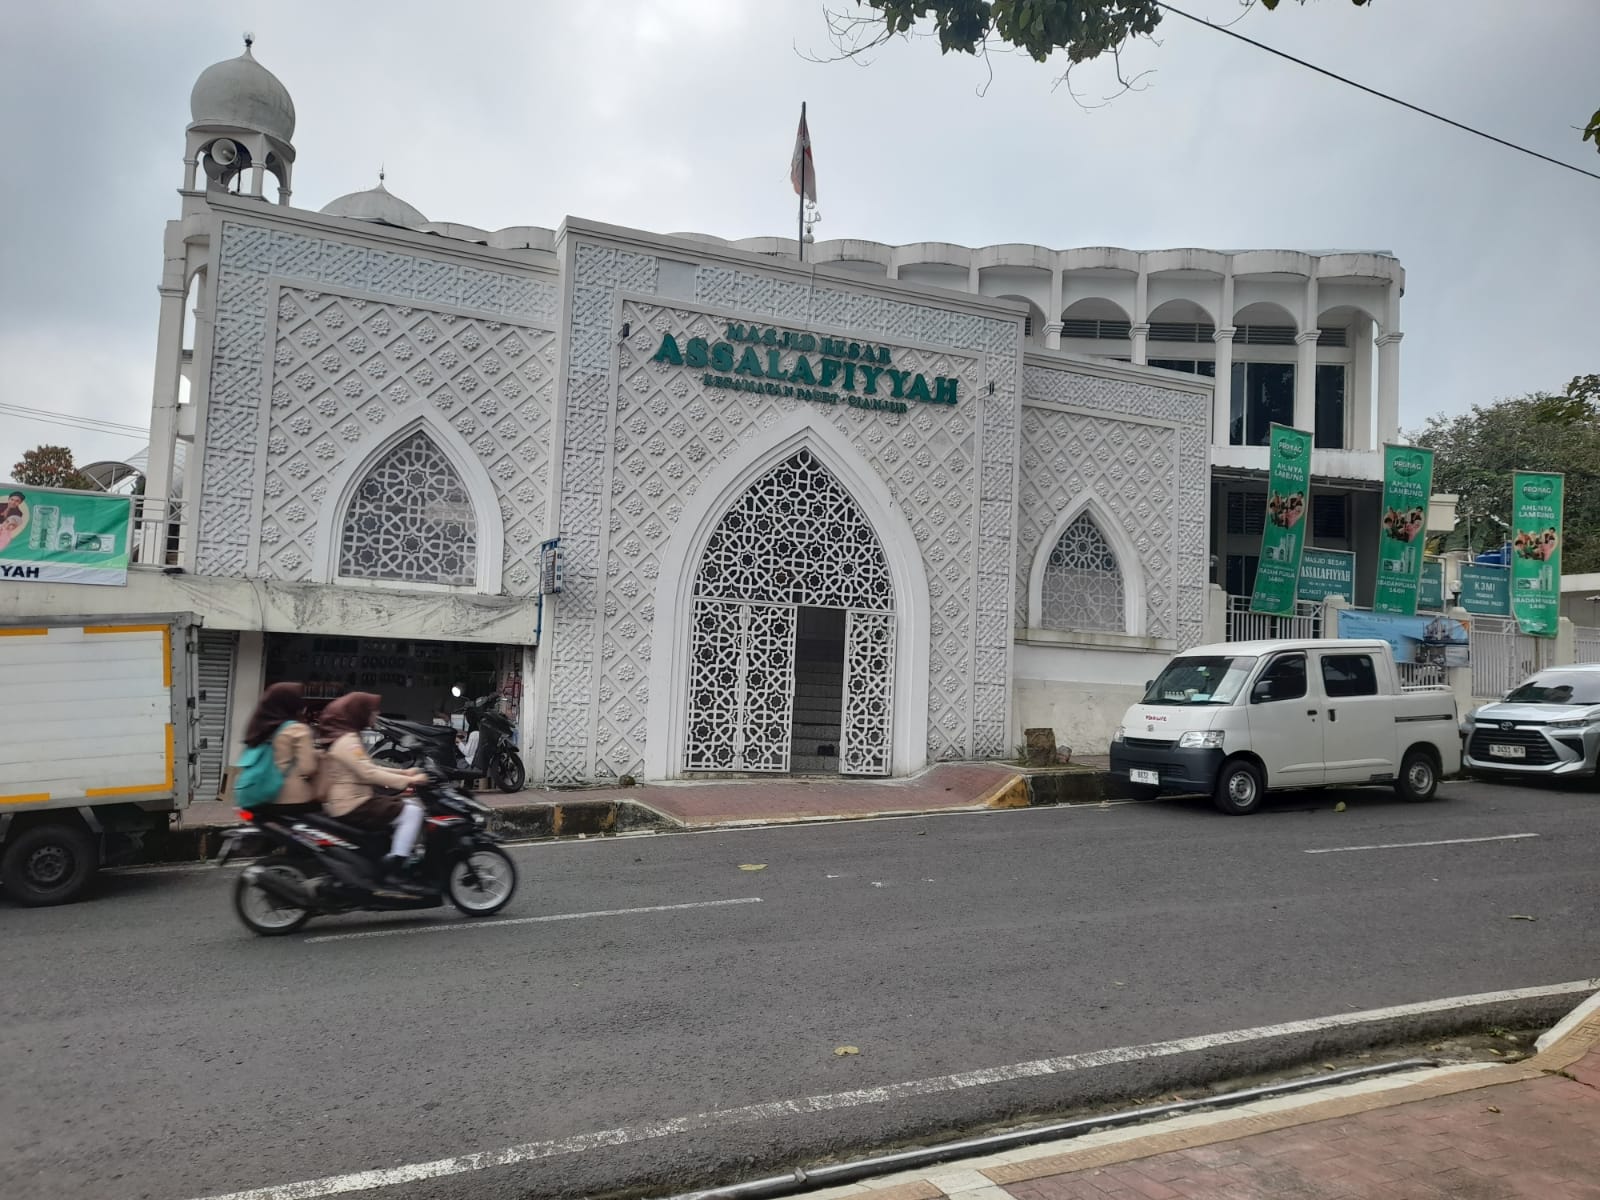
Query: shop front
{"points": [[415, 678]]}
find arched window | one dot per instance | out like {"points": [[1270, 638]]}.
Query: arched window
{"points": [[1082, 587], [410, 520]]}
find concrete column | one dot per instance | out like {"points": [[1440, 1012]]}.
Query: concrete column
{"points": [[974, 280], [258, 174], [1052, 335], [1141, 341], [190, 167], [1389, 387], [1305, 380], [1052, 318], [151, 534], [249, 681], [1358, 394], [1222, 397], [1389, 368]]}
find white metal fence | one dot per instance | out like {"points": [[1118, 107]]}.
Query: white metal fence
{"points": [[1586, 643], [1246, 626], [1421, 675], [1502, 657]]}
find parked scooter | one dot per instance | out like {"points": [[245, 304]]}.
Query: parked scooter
{"points": [[494, 755], [313, 864]]}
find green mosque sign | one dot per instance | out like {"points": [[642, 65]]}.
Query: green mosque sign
{"points": [[807, 366]]}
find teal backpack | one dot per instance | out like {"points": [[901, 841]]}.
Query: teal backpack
{"points": [[259, 781]]}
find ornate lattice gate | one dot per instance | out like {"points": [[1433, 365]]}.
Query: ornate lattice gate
{"points": [[795, 538]]}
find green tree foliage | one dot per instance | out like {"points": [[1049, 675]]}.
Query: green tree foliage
{"points": [[1475, 453], [1084, 29], [51, 466]]}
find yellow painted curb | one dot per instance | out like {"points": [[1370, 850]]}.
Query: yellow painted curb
{"points": [[1013, 793]]}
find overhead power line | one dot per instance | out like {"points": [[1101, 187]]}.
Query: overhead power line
{"points": [[1371, 91], [74, 421]]}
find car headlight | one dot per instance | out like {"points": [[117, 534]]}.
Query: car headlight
{"points": [[1116, 734], [1201, 739], [1580, 723]]}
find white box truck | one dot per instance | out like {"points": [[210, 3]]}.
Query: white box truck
{"points": [[97, 722]]}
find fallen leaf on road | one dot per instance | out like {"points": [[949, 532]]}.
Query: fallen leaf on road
{"points": [[1339, 807], [1118, 983], [841, 1051], [1329, 1067], [1521, 917], [1493, 1109], [752, 866]]}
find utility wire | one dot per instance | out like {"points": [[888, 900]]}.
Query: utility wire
{"points": [[1178, 12], [73, 421]]}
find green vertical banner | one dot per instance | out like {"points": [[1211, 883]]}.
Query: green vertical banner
{"points": [[1536, 499], [1407, 485], [1283, 536]]}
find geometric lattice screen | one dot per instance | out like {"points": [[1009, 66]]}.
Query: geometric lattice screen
{"points": [[1082, 587], [411, 520], [795, 539]]}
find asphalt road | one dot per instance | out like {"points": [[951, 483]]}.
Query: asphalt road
{"points": [[150, 1047]]}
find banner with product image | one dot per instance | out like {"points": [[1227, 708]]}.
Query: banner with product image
{"points": [[1407, 484], [1536, 499], [1283, 535], [50, 535]]}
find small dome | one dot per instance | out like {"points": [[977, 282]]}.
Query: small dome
{"points": [[242, 93], [376, 204]]}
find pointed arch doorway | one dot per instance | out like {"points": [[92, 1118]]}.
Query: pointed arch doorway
{"points": [[792, 633]]}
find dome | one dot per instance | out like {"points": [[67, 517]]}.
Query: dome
{"points": [[376, 204], [241, 93]]}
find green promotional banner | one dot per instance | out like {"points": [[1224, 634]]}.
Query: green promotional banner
{"points": [[1486, 590], [1407, 484], [1325, 573], [52, 536], [1284, 534], [1536, 551], [1430, 592]]}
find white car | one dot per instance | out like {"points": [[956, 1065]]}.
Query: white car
{"points": [[1547, 728], [1239, 719]]}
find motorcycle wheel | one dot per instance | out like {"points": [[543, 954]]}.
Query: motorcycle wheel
{"points": [[263, 913], [483, 882], [507, 773]]}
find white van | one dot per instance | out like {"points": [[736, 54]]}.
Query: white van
{"points": [[1238, 719]]}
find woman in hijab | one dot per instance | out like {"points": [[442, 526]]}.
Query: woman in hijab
{"points": [[278, 719], [348, 777]]}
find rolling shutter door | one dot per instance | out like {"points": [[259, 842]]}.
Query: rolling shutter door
{"points": [[216, 680]]}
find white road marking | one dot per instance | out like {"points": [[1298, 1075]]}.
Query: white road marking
{"points": [[1500, 837], [358, 1181], [453, 926]]}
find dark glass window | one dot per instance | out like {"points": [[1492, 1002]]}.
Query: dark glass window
{"points": [[1348, 675], [1241, 570], [1284, 679], [1188, 366], [1262, 393], [1330, 406]]}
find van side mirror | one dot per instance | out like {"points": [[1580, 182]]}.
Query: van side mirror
{"points": [[1262, 692], [1147, 684]]}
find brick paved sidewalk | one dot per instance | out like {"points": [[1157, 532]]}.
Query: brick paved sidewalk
{"points": [[1523, 1131]]}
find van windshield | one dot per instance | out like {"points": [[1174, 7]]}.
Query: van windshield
{"points": [[1200, 680]]}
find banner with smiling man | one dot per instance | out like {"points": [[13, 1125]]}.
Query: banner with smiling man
{"points": [[1283, 533], [1536, 499], [1407, 484]]}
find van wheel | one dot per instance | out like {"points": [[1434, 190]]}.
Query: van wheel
{"points": [[1419, 778], [1240, 788], [48, 864]]}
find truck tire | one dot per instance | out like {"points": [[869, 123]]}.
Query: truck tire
{"points": [[1419, 776], [1240, 788], [48, 864]]}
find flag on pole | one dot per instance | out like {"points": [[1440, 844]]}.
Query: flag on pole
{"points": [[802, 171]]}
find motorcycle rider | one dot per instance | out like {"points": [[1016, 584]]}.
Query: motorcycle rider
{"points": [[279, 718], [347, 778]]}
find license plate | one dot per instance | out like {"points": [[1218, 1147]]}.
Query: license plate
{"points": [[1509, 751], [1137, 776]]}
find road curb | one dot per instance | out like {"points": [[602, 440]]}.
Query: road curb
{"points": [[544, 820]]}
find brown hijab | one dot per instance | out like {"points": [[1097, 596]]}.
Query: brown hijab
{"points": [[350, 713], [279, 703]]}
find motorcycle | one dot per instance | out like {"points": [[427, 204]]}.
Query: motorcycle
{"points": [[311, 864], [496, 757]]}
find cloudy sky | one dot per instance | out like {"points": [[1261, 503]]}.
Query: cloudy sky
{"points": [[679, 115]]}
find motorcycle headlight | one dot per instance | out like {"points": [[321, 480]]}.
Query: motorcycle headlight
{"points": [[1116, 734], [1201, 739]]}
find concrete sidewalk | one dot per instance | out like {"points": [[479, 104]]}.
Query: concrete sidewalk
{"points": [[1478, 1131], [713, 803]]}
